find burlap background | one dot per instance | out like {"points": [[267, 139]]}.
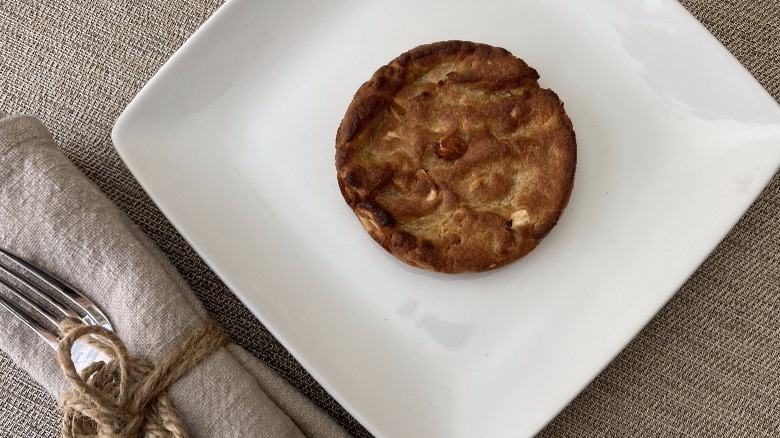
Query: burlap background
{"points": [[707, 365]]}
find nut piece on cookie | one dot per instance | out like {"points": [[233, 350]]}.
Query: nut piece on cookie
{"points": [[451, 147], [519, 220]]}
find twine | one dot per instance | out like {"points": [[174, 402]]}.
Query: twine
{"points": [[126, 397]]}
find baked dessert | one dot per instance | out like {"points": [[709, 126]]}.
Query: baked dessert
{"points": [[454, 159]]}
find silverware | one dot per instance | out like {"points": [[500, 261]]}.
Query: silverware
{"points": [[51, 301]]}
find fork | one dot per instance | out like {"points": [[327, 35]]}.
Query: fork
{"points": [[68, 302]]}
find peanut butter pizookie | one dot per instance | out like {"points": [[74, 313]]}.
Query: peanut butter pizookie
{"points": [[454, 159]]}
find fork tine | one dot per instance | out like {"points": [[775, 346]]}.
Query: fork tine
{"points": [[41, 294], [39, 329], [21, 295], [93, 312]]}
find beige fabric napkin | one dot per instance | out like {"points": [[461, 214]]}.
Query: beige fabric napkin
{"points": [[53, 216]]}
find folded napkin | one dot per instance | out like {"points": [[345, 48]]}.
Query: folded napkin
{"points": [[53, 216]]}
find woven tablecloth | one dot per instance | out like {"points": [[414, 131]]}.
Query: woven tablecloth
{"points": [[707, 365]]}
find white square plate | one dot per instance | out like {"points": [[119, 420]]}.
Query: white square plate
{"points": [[234, 139]]}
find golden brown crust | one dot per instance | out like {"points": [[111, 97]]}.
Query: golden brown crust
{"points": [[454, 159]]}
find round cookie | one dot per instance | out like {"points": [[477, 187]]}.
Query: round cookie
{"points": [[454, 159]]}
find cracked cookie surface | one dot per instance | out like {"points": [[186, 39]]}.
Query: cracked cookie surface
{"points": [[454, 159]]}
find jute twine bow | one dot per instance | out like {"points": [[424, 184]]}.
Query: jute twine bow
{"points": [[126, 396]]}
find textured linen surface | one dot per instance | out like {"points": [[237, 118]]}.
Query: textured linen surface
{"points": [[707, 365], [52, 215]]}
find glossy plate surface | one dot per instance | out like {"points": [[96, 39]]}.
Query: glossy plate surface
{"points": [[234, 140]]}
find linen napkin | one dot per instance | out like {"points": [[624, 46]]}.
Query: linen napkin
{"points": [[53, 216]]}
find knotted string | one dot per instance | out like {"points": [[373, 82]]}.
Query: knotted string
{"points": [[126, 397]]}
